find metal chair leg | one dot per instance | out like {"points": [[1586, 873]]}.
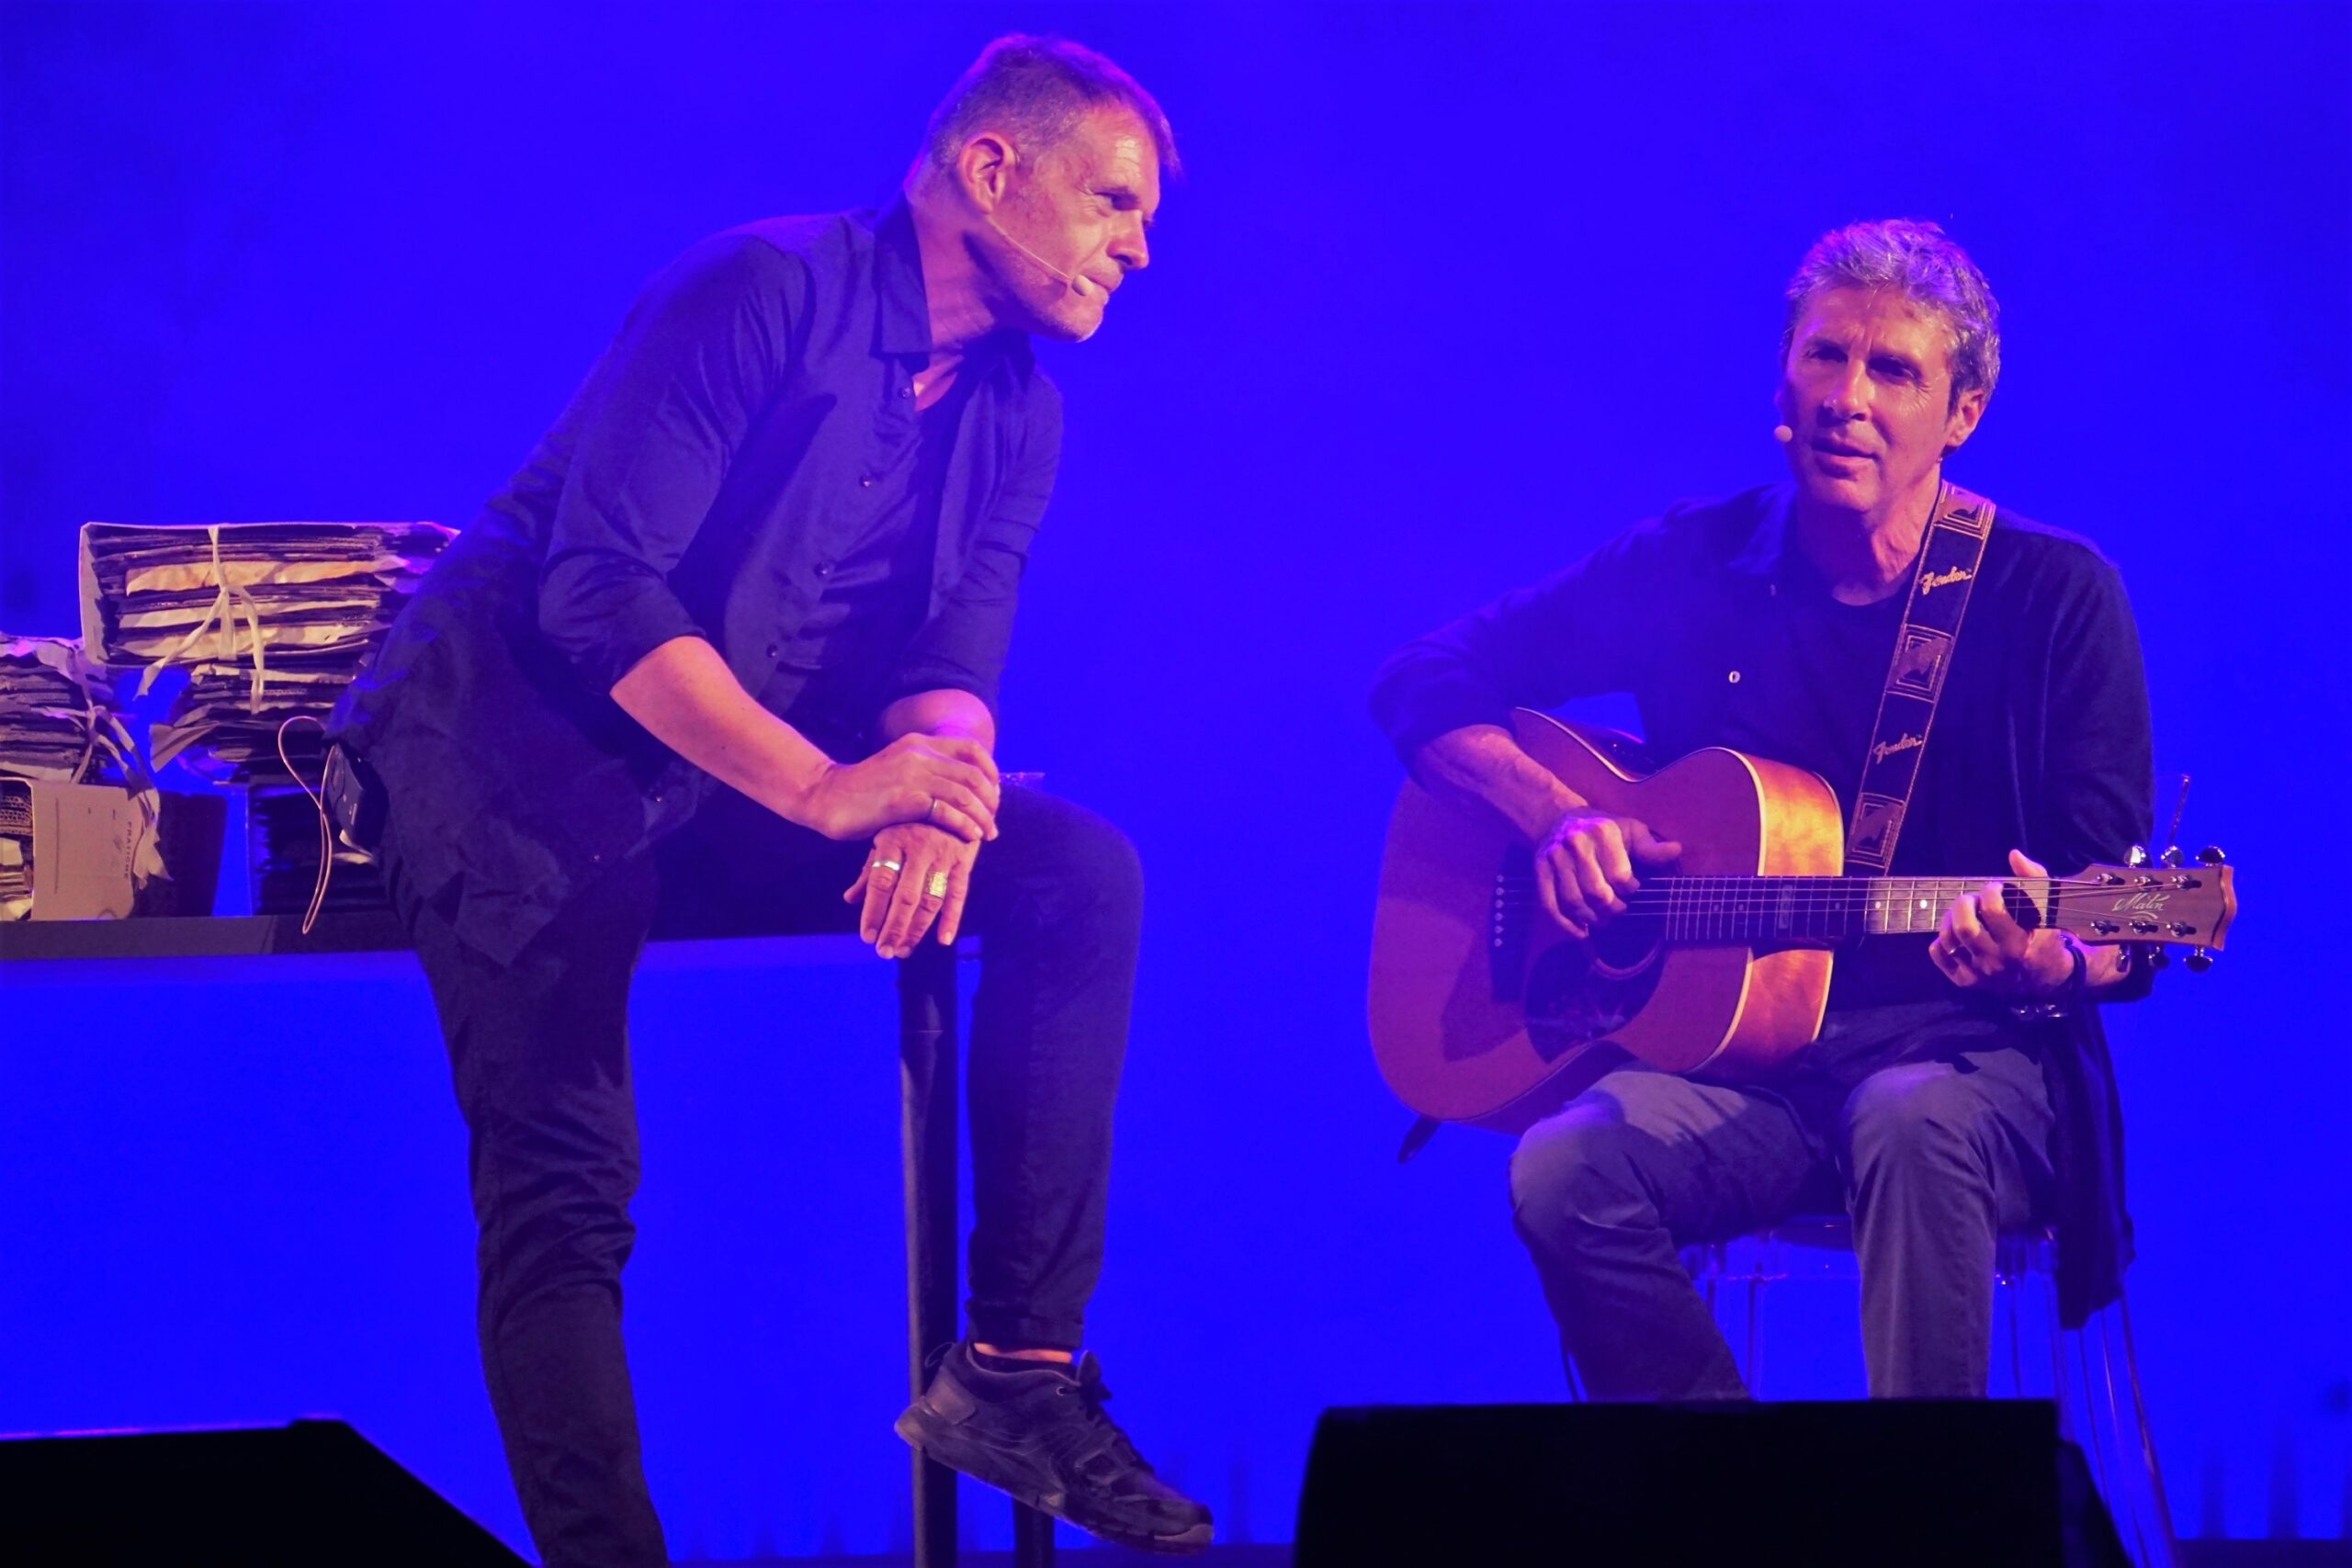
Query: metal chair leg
{"points": [[2061, 1388], [1756, 1335], [2012, 1288], [2094, 1439], [2147, 1432], [929, 1126]]}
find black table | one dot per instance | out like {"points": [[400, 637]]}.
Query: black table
{"points": [[929, 1093]]}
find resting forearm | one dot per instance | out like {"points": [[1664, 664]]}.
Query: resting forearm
{"points": [[1481, 762], [945, 712], [684, 694]]}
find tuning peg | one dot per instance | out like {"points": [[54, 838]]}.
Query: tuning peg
{"points": [[2199, 960], [2173, 857], [2211, 855], [2138, 855], [2158, 958]]}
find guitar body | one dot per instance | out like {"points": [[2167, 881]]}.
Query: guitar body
{"points": [[1484, 1011]]}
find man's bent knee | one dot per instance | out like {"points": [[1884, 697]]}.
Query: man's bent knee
{"points": [[1917, 1117], [1576, 1170], [1081, 856]]}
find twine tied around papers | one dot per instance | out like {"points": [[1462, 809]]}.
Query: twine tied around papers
{"points": [[220, 618]]}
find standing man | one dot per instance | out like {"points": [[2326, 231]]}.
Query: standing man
{"points": [[1960, 1085], [750, 599]]}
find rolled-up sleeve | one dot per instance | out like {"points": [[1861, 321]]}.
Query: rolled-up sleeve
{"points": [[963, 647], [701, 354], [1578, 633]]}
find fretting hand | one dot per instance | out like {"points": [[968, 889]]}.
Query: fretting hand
{"points": [[1980, 945]]}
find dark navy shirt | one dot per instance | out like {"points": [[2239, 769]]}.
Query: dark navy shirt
{"points": [[831, 680], [1725, 635], [746, 433]]}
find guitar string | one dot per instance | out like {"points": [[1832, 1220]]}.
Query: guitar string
{"points": [[1778, 890], [1883, 911], [1821, 901], [1913, 904]]}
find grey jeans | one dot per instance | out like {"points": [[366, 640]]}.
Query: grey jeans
{"points": [[1933, 1118]]}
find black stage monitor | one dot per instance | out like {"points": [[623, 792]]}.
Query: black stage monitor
{"points": [[1883, 1483], [314, 1492]]}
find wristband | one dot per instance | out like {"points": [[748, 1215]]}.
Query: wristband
{"points": [[2059, 1003]]}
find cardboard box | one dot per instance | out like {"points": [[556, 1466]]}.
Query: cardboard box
{"points": [[85, 841]]}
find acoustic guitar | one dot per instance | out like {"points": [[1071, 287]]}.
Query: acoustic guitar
{"points": [[1484, 1011]]}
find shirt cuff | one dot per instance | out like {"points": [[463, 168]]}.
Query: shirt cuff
{"points": [[606, 622], [1416, 701]]}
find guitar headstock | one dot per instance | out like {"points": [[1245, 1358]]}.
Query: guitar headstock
{"points": [[2167, 903]]}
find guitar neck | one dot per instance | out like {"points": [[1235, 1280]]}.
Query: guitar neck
{"points": [[1826, 909]]}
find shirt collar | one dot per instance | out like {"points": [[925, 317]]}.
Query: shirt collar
{"points": [[902, 317], [1767, 550], [902, 323]]}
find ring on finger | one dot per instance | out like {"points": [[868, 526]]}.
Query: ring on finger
{"points": [[893, 866], [936, 886]]}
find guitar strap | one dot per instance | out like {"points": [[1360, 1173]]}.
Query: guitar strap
{"points": [[1948, 560]]}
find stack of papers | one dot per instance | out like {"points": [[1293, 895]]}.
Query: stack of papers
{"points": [[16, 855], [57, 714], [59, 724], [270, 620]]}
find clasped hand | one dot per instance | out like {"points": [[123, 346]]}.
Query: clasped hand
{"points": [[947, 781], [929, 801], [915, 877], [1979, 944]]}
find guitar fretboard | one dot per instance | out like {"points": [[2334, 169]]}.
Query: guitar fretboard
{"points": [[1821, 908]]}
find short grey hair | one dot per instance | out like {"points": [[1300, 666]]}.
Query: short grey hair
{"points": [[1037, 89], [1934, 272]]}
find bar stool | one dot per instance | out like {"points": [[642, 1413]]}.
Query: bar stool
{"points": [[2091, 1413], [929, 1129]]}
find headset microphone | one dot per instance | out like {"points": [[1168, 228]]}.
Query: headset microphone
{"points": [[1783, 435], [1077, 283]]}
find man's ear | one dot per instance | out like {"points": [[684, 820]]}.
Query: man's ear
{"points": [[1964, 415], [984, 168]]}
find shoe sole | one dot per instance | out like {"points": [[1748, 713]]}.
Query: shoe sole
{"points": [[1184, 1543]]}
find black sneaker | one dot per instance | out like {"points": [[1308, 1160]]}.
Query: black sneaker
{"points": [[1042, 1436]]}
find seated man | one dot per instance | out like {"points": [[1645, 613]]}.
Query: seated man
{"points": [[1959, 1083], [751, 599]]}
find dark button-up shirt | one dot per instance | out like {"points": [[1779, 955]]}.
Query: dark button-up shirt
{"points": [[1724, 636], [746, 430], [831, 671]]}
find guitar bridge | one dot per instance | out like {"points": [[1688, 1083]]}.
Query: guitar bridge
{"points": [[1509, 913]]}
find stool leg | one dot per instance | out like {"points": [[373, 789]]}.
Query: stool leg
{"points": [[927, 1146], [930, 1117], [1033, 1538]]}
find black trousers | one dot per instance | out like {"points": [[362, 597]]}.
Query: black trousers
{"points": [[1932, 1119], [539, 1052]]}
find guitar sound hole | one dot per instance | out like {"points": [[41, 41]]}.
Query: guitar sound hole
{"points": [[1578, 992], [1628, 942]]}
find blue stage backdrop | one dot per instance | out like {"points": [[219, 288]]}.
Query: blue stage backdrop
{"points": [[1453, 293]]}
